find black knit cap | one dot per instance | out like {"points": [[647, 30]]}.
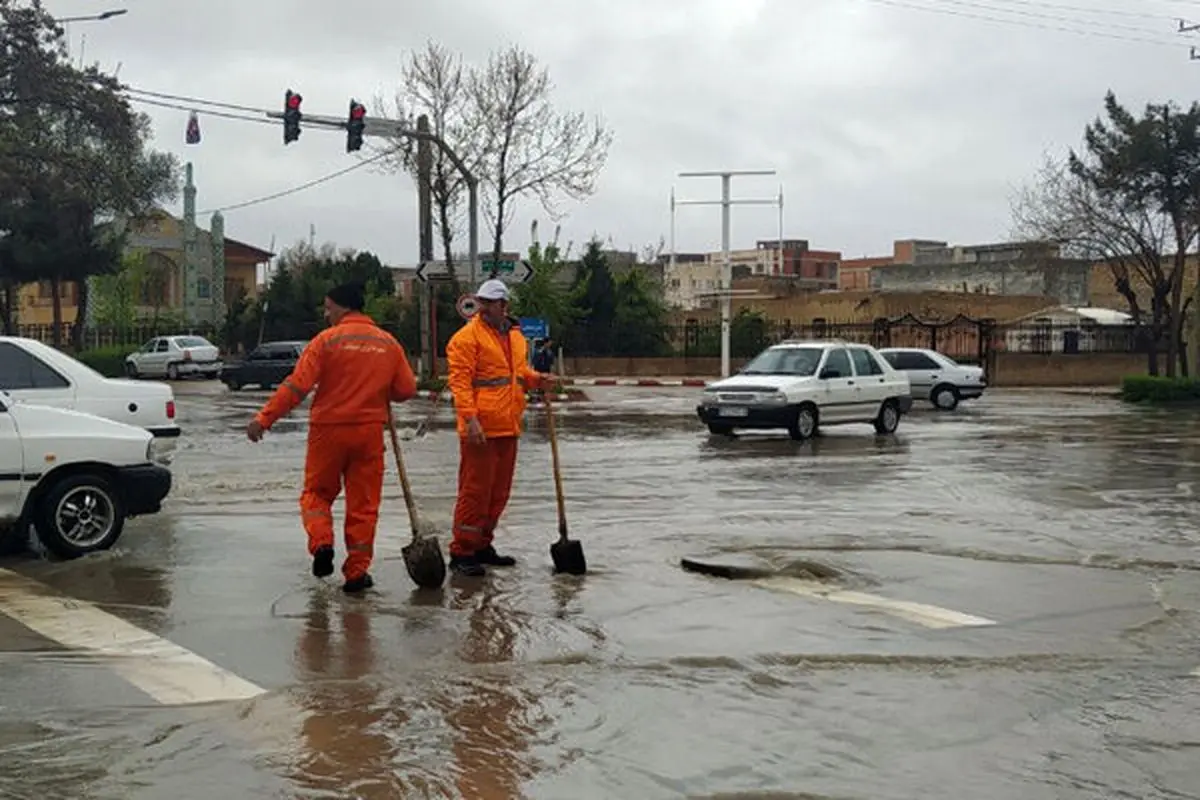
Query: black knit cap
{"points": [[348, 295]]}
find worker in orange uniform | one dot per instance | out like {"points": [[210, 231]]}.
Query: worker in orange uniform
{"points": [[489, 373], [358, 370]]}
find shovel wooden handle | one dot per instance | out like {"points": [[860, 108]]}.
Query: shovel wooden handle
{"points": [[558, 487], [408, 495]]}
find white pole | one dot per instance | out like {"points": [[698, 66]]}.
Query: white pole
{"points": [[671, 262], [781, 229], [726, 277]]}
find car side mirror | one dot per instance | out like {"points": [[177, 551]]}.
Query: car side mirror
{"points": [[828, 373]]}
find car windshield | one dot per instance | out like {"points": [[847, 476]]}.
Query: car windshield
{"points": [[192, 341], [800, 361]]}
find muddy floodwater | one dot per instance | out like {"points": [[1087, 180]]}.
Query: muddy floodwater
{"points": [[1015, 613]]}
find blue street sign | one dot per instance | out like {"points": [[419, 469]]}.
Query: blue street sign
{"points": [[535, 328]]}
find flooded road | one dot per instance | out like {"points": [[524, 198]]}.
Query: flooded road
{"points": [[1016, 615]]}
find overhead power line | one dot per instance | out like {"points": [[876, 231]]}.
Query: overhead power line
{"points": [[301, 187], [935, 9]]}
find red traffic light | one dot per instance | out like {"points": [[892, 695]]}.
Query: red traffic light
{"points": [[357, 111], [293, 100]]}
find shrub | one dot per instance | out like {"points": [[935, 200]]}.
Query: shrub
{"points": [[108, 361], [1155, 389]]}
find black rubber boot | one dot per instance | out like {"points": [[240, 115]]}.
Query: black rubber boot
{"points": [[322, 565], [467, 566], [489, 556], [356, 585]]}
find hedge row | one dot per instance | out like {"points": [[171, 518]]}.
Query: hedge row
{"points": [[108, 361], [1153, 389]]}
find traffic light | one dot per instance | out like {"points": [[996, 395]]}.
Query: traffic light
{"points": [[291, 116], [355, 125]]}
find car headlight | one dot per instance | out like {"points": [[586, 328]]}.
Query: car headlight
{"points": [[775, 399]]}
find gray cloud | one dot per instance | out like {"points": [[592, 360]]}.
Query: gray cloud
{"points": [[883, 121]]}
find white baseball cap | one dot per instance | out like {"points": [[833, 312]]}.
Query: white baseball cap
{"points": [[493, 289]]}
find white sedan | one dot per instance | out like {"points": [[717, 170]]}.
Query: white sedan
{"points": [[175, 357], [936, 377]]}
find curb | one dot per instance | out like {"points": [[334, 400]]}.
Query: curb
{"points": [[656, 382], [561, 398]]}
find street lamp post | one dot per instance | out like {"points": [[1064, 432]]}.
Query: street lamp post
{"points": [[725, 288]]}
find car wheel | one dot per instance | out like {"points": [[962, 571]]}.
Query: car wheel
{"points": [[944, 397], [172, 372], [804, 426], [720, 430], [888, 419], [80, 514]]}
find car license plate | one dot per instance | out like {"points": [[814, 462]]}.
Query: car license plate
{"points": [[734, 412]]}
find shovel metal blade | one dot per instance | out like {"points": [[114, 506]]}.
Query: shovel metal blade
{"points": [[568, 557], [425, 563]]}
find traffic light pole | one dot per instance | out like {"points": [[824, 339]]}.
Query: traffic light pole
{"points": [[376, 126]]}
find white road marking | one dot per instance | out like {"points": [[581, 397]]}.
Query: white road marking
{"points": [[170, 674], [920, 613]]}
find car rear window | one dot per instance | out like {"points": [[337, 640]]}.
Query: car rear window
{"points": [[192, 341]]}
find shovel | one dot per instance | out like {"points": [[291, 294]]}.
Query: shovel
{"points": [[567, 553], [423, 555]]}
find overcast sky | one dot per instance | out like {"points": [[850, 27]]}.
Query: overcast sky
{"points": [[885, 119]]}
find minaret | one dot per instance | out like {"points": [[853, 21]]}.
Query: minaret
{"points": [[217, 235], [190, 262]]}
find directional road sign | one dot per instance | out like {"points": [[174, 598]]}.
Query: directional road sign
{"points": [[506, 270], [435, 271], [509, 268]]}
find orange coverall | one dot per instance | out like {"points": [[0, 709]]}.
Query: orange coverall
{"points": [[489, 372], [359, 369]]}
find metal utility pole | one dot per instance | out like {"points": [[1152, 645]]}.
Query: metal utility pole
{"points": [[429, 330], [725, 288]]}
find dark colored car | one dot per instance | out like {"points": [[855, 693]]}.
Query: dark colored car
{"points": [[265, 366]]}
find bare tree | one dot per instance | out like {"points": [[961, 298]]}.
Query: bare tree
{"points": [[1062, 207], [530, 148], [434, 82]]}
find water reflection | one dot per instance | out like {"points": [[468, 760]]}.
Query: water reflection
{"points": [[346, 750], [489, 714]]}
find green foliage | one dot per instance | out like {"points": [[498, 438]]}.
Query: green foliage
{"points": [[291, 306], [72, 152], [545, 295], [108, 361], [747, 337], [1156, 390]]}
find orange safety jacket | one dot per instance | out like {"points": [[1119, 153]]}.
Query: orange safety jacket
{"points": [[489, 372], [359, 369]]}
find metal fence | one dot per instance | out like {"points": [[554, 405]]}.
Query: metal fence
{"points": [[961, 338]]}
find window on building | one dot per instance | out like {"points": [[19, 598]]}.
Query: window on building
{"points": [[203, 288]]}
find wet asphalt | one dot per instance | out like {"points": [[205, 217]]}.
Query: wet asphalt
{"points": [[1065, 520]]}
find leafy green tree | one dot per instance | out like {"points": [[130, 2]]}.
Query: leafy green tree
{"points": [[72, 152], [116, 297], [545, 295], [594, 299], [640, 319], [291, 305]]}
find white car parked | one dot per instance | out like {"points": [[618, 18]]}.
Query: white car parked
{"points": [[32, 372], [175, 357], [74, 477], [936, 377], [801, 385]]}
